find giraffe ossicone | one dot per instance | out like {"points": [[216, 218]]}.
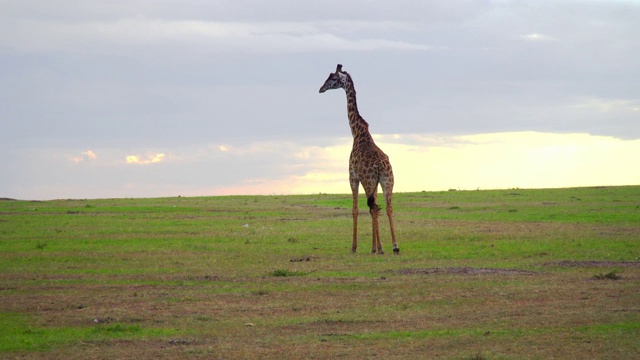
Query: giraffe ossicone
{"points": [[368, 164]]}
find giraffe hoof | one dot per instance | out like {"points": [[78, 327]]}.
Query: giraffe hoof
{"points": [[396, 251]]}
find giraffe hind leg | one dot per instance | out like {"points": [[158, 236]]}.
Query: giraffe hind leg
{"points": [[374, 210], [388, 195]]}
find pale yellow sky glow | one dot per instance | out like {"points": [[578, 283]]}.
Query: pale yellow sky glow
{"points": [[484, 161]]}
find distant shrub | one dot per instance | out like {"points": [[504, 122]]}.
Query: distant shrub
{"points": [[285, 272], [612, 275]]}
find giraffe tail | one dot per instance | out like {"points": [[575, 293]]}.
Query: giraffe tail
{"points": [[371, 201]]}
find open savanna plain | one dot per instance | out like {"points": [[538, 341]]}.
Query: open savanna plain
{"points": [[499, 274]]}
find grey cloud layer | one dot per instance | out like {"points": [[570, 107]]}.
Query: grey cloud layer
{"points": [[135, 75]]}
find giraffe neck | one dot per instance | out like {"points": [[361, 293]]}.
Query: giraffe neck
{"points": [[359, 127]]}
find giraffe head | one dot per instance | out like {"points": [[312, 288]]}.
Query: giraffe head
{"points": [[335, 80]]}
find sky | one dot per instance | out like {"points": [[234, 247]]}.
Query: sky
{"points": [[154, 98]]}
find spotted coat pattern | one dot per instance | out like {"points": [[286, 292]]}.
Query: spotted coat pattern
{"points": [[368, 164]]}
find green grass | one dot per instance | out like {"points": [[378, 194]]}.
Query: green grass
{"points": [[18, 334], [500, 274]]}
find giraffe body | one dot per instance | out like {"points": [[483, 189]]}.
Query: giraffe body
{"points": [[368, 165]]}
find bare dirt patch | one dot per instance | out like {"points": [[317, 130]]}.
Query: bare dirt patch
{"points": [[462, 271], [594, 263]]}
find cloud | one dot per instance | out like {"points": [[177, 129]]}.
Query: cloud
{"points": [[145, 159], [535, 37], [311, 182], [206, 36], [90, 154], [84, 156], [608, 105]]}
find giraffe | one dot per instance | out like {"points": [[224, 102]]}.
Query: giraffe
{"points": [[368, 164]]}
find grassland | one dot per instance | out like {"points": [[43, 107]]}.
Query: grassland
{"points": [[504, 274]]}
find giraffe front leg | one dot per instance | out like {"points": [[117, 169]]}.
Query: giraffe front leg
{"points": [[354, 212]]}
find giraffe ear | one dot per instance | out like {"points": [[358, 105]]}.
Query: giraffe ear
{"points": [[338, 68]]}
